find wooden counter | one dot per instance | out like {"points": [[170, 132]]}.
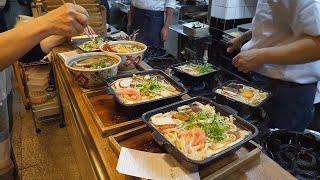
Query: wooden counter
{"points": [[95, 158]]}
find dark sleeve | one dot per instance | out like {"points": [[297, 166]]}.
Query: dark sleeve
{"points": [[35, 54]]}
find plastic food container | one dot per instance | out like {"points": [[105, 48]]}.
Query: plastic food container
{"points": [[134, 110], [193, 165], [38, 97], [38, 85], [242, 108], [184, 75]]}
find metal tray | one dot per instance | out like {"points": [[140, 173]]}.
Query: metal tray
{"points": [[193, 165], [137, 109], [183, 74], [243, 108]]}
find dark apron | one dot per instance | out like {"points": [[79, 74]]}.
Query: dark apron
{"points": [[291, 106], [150, 24]]}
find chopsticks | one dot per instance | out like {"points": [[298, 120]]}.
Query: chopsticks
{"points": [[88, 33]]}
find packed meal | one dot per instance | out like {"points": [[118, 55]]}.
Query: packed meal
{"points": [[142, 88], [122, 47], [94, 62], [197, 69], [92, 45], [198, 130], [242, 93]]}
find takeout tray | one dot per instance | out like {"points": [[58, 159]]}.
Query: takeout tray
{"points": [[187, 76], [242, 108], [136, 110], [140, 138], [76, 42], [108, 119], [195, 165]]}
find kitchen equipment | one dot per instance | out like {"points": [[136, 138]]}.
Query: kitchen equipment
{"points": [[130, 60], [134, 110], [298, 153], [189, 164], [196, 29], [89, 78]]}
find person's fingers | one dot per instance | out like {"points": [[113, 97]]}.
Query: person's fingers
{"points": [[81, 10], [77, 28], [235, 59], [81, 18], [230, 49]]}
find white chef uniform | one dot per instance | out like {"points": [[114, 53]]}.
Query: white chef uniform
{"points": [[154, 5], [294, 18]]}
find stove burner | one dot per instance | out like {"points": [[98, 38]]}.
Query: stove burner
{"points": [[296, 152], [161, 63], [154, 52]]}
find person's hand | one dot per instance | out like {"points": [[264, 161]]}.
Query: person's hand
{"points": [[50, 42], [164, 33], [249, 60], [234, 44], [67, 20]]}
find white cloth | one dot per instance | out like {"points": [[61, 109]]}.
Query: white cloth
{"points": [[279, 22], [154, 5], [5, 82], [2, 3]]}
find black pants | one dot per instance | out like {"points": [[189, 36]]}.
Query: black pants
{"points": [[291, 106], [150, 24]]}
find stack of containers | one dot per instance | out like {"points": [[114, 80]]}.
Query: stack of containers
{"points": [[38, 81], [233, 9]]}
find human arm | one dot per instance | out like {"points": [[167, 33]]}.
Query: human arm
{"points": [[236, 43], [301, 51], [169, 9], [167, 22], [67, 20]]}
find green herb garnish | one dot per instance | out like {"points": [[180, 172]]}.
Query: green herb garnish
{"points": [[213, 124], [204, 68], [150, 87], [101, 64]]}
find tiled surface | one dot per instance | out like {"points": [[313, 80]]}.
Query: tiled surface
{"points": [[47, 155]]}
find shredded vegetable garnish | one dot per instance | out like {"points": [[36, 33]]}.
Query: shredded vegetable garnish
{"points": [[204, 68], [212, 123]]}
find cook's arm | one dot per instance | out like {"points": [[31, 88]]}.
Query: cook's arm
{"points": [[67, 20], [301, 51], [236, 43], [168, 16]]}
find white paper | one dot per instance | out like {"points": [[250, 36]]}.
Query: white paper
{"points": [[152, 166]]}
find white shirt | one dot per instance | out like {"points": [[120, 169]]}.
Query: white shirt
{"points": [[154, 5], [279, 22]]}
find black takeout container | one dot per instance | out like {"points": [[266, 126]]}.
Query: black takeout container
{"points": [[135, 110], [186, 76], [243, 108], [193, 165]]}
